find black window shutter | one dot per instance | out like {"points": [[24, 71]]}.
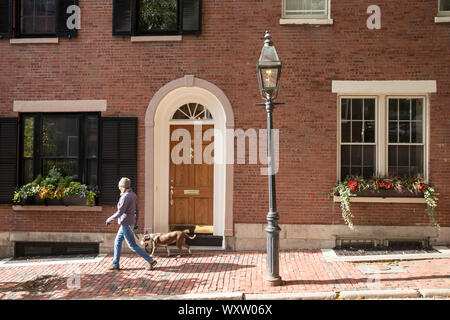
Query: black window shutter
{"points": [[124, 12], [6, 10], [191, 16], [8, 158], [119, 156], [62, 17]]}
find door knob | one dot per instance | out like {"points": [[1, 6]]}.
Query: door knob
{"points": [[171, 195]]}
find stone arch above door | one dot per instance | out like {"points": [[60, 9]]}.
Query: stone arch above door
{"points": [[227, 122]]}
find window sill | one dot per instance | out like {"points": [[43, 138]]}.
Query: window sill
{"points": [[34, 41], [383, 199], [441, 19], [307, 21], [58, 208], [156, 38]]}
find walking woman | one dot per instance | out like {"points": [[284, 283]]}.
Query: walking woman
{"points": [[127, 215]]}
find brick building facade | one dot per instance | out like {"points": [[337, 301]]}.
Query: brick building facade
{"points": [[328, 55]]}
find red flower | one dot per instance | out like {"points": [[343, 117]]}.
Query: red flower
{"points": [[352, 185], [422, 186], [385, 185]]}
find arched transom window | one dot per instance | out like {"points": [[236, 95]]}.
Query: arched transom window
{"points": [[192, 111]]}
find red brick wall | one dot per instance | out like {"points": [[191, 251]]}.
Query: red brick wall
{"points": [[97, 65]]}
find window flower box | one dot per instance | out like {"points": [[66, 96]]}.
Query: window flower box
{"points": [[55, 190], [388, 188]]}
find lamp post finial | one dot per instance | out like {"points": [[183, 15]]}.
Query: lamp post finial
{"points": [[268, 39]]}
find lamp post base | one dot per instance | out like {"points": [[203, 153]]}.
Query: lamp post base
{"points": [[273, 282]]}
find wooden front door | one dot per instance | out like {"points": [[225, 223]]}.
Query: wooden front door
{"points": [[190, 188]]}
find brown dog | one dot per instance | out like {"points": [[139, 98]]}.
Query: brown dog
{"points": [[155, 240]]}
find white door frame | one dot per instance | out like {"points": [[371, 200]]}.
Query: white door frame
{"points": [[157, 140]]}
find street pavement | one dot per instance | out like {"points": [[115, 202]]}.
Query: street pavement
{"points": [[228, 275]]}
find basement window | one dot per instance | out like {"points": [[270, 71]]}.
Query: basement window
{"points": [[49, 249]]}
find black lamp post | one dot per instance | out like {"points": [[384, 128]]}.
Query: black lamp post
{"points": [[269, 71]]}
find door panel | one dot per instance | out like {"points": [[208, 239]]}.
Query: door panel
{"points": [[201, 209], [190, 186]]}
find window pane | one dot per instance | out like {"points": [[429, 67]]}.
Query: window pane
{"points": [[306, 7], [356, 155], [345, 132], [28, 173], [393, 132], [357, 109], [393, 109], [392, 155], [357, 131], [157, 16], [345, 109], [28, 137], [92, 137], [38, 16], [369, 132], [67, 167], [416, 160], [404, 109], [417, 109], [92, 173], [60, 136], [403, 156], [369, 156], [368, 172], [404, 132], [416, 132], [345, 155], [369, 109], [356, 171], [445, 5], [345, 171]]}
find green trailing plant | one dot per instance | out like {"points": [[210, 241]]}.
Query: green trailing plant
{"points": [[352, 185], [25, 192]]}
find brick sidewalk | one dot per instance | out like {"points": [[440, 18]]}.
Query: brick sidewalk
{"points": [[302, 271]]}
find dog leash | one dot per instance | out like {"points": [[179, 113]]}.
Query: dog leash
{"points": [[137, 232]]}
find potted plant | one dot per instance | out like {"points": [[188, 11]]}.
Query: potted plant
{"points": [[48, 187], [79, 194], [385, 187]]}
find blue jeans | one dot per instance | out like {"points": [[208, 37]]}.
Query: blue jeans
{"points": [[126, 232]]}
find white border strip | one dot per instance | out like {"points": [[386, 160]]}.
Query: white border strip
{"points": [[34, 41], [441, 19], [4, 264], [60, 106], [156, 38], [384, 87]]}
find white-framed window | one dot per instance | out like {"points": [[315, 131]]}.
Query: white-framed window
{"points": [[382, 135], [444, 7], [308, 9]]}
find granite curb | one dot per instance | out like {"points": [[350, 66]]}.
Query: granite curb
{"points": [[328, 295]]}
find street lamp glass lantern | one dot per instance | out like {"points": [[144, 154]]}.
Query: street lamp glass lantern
{"points": [[268, 69]]}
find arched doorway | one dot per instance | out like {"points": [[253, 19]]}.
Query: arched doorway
{"points": [[163, 112]]}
